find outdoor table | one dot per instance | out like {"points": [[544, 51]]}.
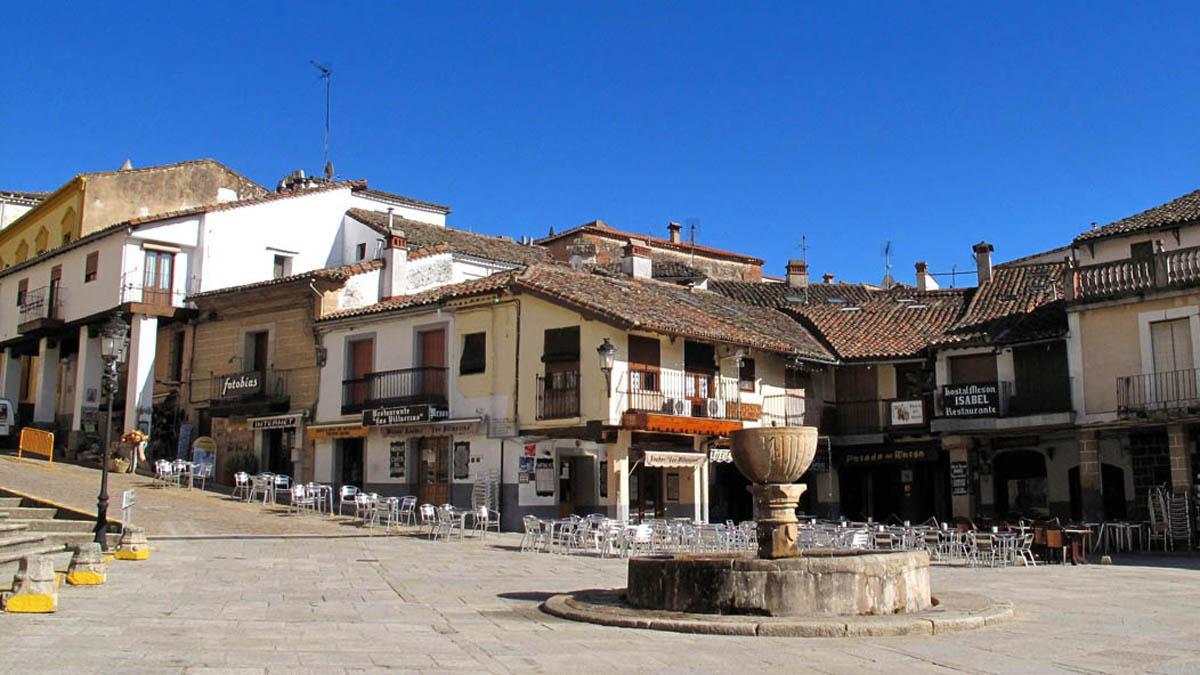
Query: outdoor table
{"points": [[1077, 542], [325, 495]]}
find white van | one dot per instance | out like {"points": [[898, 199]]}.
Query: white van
{"points": [[8, 417]]}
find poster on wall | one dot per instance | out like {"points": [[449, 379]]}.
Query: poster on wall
{"points": [[397, 458], [525, 465], [907, 412], [185, 440], [604, 478], [959, 477], [462, 460], [544, 477]]}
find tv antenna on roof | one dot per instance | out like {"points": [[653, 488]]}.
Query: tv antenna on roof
{"points": [[888, 280], [327, 75], [693, 225]]}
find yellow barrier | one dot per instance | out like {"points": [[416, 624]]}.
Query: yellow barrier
{"points": [[37, 442]]}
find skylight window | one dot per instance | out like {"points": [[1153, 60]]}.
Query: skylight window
{"points": [[915, 306], [852, 309], [836, 300]]}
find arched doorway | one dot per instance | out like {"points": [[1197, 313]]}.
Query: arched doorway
{"points": [[1112, 487], [1019, 484]]}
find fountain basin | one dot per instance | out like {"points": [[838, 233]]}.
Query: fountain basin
{"points": [[816, 583]]}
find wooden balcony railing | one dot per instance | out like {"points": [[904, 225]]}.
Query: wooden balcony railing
{"points": [[1163, 269], [686, 394]]}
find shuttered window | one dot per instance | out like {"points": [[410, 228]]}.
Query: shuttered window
{"points": [[1172, 345], [645, 355], [90, 266]]}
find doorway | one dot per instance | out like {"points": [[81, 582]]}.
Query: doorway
{"points": [[277, 450], [350, 461], [577, 488], [433, 485], [646, 493], [1019, 484]]}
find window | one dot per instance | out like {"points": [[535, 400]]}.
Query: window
{"points": [[746, 378], [22, 290], [1142, 249], [1171, 342], [474, 359], [66, 238], [282, 267], [158, 278], [645, 358], [257, 345], [973, 369], [561, 345], [360, 252], [90, 266]]}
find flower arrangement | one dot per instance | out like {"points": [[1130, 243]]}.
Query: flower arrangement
{"points": [[134, 437]]}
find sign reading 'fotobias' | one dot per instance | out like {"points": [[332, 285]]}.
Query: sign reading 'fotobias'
{"points": [[971, 400]]}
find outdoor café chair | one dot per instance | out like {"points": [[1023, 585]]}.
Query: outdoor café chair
{"points": [[486, 519], [300, 499], [241, 486], [534, 536], [283, 485], [202, 472], [362, 506], [347, 495], [429, 519], [408, 510]]}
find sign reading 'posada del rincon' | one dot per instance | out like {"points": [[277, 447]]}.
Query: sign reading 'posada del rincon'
{"points": [[971, 400]]}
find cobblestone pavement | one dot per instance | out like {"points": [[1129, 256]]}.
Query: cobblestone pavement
{"points": [[163, 510], [355, 604]]}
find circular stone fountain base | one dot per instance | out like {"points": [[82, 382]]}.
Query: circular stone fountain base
{"points": [[950, 612], [818, 583]]}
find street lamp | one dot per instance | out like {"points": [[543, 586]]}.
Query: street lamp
{"points": [[608, 354], [114, 341]]}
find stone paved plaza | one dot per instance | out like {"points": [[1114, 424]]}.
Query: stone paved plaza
{"points": [[335, 604]]}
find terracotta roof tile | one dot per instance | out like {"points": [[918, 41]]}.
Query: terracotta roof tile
{"points": [[1020, 303], [339, 273], [426, 239], [1177, 211], [490, 284], [601, 228], [897, 323], [782, 296]]}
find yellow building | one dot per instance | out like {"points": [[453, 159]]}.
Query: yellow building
{"points": [[92, 201]]}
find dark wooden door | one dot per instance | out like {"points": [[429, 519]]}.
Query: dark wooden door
{"points": [[434, 477], [433, 363], [362, 363], [158, 278]]}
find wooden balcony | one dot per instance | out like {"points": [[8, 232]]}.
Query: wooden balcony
{"points": [[1162, 270]]}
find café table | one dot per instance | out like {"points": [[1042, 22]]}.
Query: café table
{"points": [[1077, 540]]}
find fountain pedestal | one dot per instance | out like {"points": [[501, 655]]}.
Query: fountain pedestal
{"points": [[775, 512]]}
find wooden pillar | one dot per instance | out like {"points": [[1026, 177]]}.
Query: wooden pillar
{"points": [[1181, 461], [1091, 500]]}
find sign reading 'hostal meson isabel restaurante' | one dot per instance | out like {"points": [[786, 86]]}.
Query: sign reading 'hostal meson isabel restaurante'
{"points": [[971, 400]]}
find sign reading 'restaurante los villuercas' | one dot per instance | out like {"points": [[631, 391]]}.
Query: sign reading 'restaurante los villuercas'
{"points": [[971, 400]]}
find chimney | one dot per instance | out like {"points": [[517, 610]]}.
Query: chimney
{"points": [[983, 261], [673, 231], [127, 166], [636, 260], [392, 279], [925, 281], [797, 274], [827, 278]]}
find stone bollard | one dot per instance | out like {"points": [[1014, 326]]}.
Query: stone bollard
{"points": [[87, 566], [133, 544], [35, 587]]}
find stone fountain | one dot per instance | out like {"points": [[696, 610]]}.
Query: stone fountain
{"points": [[783, 580]]}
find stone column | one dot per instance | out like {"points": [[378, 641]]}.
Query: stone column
{"points": [[775, 514], [1089, 476], [139, 389], [1181, 459], [89, 368], [46, 381], [10, 376], [618, 476], [704, 490], [959, 449]]}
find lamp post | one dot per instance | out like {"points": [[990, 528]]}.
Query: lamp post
{"points": [[114, 340], [607, 352]]}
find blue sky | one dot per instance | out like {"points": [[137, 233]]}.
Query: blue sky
{"points": [[933, 125]]}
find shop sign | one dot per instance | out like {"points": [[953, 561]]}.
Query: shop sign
{"points": [[908, 413], [959, 477], [279, 422], [971, 400], [446, 428], [403, 414], [334, 432], [241, 384], [890, 455], [673, 460], [720, 455]]}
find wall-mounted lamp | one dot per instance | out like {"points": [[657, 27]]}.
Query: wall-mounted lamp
{"points": [[607, 352]]}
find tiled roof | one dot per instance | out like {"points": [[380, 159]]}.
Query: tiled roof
{"points": [[642, 304], [603, 229], [661, 307], [891, 324], [393, 197], [782, 296], [1020, 303], [28, 198], [339, 273], [1177, 211], [661, 269], [494, 283], [425, 239]]}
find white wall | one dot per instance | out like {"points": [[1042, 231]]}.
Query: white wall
{"points": [[360, 201], [1117, 248]]}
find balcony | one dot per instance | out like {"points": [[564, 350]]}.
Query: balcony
{"points": [[249, 392], [791, 410], [1168, 394], [406, 386], [1162, 270], [877, 416], [40, 308], [686, 394], [558, 395], [134, 289]]}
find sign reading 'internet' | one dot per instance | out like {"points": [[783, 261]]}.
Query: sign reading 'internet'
{"points": [[971, 400]]}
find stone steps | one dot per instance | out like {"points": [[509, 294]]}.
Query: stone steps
{"points": [[30, 512], [9, 502], [51, 525]]}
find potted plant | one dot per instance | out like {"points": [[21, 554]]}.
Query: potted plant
{"points": [[136, 441], [239, 460]]}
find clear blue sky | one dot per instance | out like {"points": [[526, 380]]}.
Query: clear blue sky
{"points": [[930, 124]]}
